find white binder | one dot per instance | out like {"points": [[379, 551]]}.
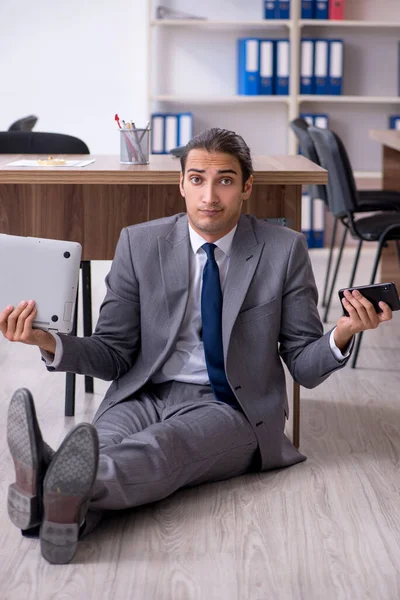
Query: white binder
{"points": [[307, 67], [157, 134], [321, 121], [306, 218], [266, 66], [318, 226], [171, 132], [282, 66], [321, 66], [185, 128], [335, 66]]}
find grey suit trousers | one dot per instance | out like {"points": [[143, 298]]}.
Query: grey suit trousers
{"points": [[166, 437]]}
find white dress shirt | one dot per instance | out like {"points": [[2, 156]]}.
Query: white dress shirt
{"points": [[187, 363]]}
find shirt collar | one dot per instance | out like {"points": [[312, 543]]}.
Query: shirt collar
{"points": [[224, 243]]}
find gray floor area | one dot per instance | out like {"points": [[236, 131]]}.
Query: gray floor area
{"points": [[327, 528]]}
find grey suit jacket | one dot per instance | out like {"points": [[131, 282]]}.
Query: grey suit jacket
{"points": [[269, 313]]}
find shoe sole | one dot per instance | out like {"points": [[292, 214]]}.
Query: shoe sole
{"points": [[23, 501], [67, 487]]}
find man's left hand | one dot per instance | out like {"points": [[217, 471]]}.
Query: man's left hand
{"points": [[362, 316]]}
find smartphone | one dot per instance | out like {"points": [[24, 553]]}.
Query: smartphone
{"points": [[376, 293]]}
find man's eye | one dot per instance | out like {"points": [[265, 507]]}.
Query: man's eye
{"points": [[195, 179], [226, 181]]}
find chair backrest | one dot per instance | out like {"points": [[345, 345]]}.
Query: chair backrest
{"points": [[36, 142], [342, 193], [300, 128], [24, 124]]}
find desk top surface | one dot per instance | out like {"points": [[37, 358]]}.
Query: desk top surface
{"points": [[386, 137], [162, 170]]}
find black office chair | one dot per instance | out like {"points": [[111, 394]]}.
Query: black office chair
{"points": [[367, 201], [23, 142], [24, 124], [316, 191], [37, 142], [380, 227]]}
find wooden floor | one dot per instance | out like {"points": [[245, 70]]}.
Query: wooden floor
{"points": [[326, 529]]}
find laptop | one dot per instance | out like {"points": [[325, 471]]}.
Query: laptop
{"points": [[43, 270]]}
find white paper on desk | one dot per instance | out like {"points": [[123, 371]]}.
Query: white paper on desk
{"points": [[34, 163]]}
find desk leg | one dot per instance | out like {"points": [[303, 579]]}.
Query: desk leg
{"points": [[87, 313], [389, 268], [296, 415], [70, 378]]}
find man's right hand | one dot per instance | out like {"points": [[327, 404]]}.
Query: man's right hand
{"points": [[16, 326]]}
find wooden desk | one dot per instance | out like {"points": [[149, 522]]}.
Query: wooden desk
{"points": [[390, 140], [92, 204]]}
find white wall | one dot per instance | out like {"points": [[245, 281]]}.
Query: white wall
{"points": [[74, 64]]}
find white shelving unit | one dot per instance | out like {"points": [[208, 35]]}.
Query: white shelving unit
{"points": [[193, 67], [221, 99]]}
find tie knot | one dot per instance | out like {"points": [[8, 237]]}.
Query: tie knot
{"points": [[209, 250]]}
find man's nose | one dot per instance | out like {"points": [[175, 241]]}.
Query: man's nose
{"points": [[209, 195]]}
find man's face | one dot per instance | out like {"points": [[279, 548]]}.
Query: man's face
{"points": [[213, 191]]}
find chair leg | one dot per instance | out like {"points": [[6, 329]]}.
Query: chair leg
{"points": [[70, 378], [339, 258], [398, 250], [328, 268], [355, 264], [360, 335], [356, 349], [87, 312]]}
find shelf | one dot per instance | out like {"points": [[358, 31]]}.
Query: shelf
{"points": [[344, 23], [214, 24], [367, 174], [222, 99], [270, 23], [350, 99]]}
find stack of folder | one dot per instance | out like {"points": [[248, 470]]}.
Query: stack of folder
{"points": [[170, 130], [276, 9], [263, 66], [313, 221], [394, 122], [321, 70], [320, 120], [313, 211], [322, 9]]}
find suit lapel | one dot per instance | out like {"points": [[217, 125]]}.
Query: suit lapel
{"points": [[246, 252], [174, 261]]}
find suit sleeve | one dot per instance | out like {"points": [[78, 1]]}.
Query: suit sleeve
{"points": [[111, 350], [303, 345]]}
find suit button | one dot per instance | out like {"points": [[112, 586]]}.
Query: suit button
{"points": [[51, 368]]}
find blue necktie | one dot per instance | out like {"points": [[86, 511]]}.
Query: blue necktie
{"points": [[211, 316]]}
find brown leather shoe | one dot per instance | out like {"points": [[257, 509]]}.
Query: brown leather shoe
{"points": [[31, 457], [67, 489]]}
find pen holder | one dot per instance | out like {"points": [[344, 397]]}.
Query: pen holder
{"points": [[134, 146]]}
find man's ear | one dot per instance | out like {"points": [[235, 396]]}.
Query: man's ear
{"points": [[248, 187], [181, 184]]}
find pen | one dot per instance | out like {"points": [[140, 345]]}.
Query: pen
{"points": [[147, 128], [117, 119], [137, 144]]}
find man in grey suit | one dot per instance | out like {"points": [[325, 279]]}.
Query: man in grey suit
{"points": [[199, 311]]}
